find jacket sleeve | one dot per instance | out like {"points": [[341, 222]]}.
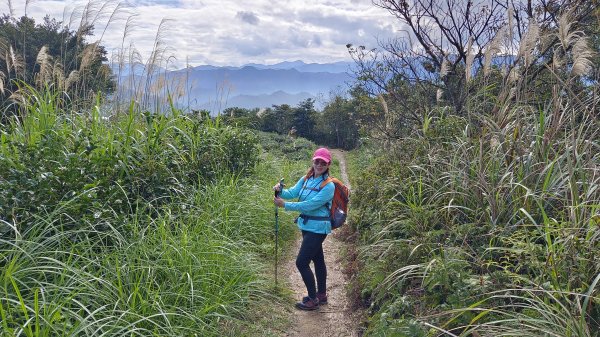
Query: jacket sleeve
{"points": [[294, 192], [321, 198]]}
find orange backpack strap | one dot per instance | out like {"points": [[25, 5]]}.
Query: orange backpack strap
{"points": [[325, 182]]}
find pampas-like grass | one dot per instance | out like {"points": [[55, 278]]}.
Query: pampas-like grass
{"points": [[88, 57], [44, 60], [444, 69], [71, 79], [383, 104], [582, 57], [16, 61], [493, 48], [469, 59], [2, 78], [528, 43], [567, 36], [58, 75]]}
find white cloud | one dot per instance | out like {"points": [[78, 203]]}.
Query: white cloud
{"points": [[231, 32]]}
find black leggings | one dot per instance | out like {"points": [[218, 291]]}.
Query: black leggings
{"points": [[312, 250]]}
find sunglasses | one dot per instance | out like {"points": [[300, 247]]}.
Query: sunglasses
{"points": [[320, 162]]}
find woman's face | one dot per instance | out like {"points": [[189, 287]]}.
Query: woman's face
{"points": [[320, 166]]}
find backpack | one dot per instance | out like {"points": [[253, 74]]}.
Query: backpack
{"points": [[339, 204]]}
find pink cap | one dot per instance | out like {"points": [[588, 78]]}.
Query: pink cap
{"points": [[322, 153]]}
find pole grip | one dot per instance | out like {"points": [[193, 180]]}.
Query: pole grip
{"points": [[281, 185]]}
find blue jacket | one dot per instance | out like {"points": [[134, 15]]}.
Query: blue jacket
{"points": [[311, 201]]}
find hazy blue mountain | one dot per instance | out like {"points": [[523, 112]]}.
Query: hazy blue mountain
{"points": [[256, 101], [252, 81], [257, 86]]}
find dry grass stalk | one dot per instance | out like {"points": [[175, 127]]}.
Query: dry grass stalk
{"points": [[438, 95]]}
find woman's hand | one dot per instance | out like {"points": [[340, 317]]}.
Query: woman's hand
{"points": [[279, 201], [277, 187]]}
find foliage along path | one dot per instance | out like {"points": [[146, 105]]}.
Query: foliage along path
{"points": [[337, 318]]}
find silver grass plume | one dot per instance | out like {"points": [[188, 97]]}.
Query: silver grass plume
{"points": [[493, 48], [582, 57], [386, 112], [58, 73], [383, 104], [72, 79], [88, 57], [44, 75], [566, 35], [18, 97], [557, 60], [4, 53], [444, 69], [469, 60], [528, 43], [2, 78], [16, 62]]}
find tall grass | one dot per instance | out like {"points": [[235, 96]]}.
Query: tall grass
{"points": [[181, 272]]}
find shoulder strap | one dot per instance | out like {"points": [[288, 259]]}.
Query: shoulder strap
{"points": [[325, 182]]}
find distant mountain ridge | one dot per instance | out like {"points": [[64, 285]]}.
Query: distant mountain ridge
{"points": [[215, 88], [335, 67]]}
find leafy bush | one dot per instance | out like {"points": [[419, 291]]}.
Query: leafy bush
{"points": [[48, 157]]}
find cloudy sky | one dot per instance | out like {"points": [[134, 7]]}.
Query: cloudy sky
{"points": [[229, 32]]}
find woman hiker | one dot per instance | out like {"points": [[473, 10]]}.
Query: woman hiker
{"points": [[313, 221]]}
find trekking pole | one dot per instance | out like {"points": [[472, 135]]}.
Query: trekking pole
{"points": [[277, 228]]}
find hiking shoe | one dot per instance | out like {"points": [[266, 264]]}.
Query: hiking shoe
{"points": [[321, 297], [308, 303]]}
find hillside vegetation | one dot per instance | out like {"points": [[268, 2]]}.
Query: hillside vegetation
{"points": [[475, 167]]}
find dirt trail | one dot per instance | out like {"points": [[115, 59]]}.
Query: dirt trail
{"points": [[337, 317]]}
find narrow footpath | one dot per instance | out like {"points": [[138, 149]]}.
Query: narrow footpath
{"points": [[337, 318]]}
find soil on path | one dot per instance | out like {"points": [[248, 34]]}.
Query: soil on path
{"points": [[337, 318]]}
